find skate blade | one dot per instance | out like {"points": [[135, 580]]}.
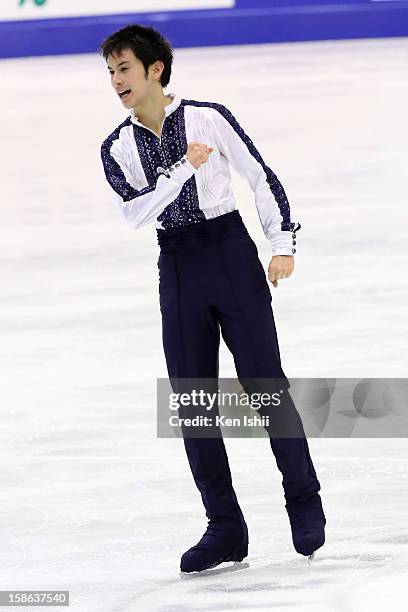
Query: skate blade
{"points": [[311, 557], [222, 568]]}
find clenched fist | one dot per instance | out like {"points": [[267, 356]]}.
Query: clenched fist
{"points": [[197, 153], [281, 266]]}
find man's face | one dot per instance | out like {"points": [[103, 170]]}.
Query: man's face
{"points": [[128, 78]]}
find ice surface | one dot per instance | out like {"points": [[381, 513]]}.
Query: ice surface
{"points": [[91, 500]]}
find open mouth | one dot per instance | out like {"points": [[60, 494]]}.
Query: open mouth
{"points": [[123, 94]]}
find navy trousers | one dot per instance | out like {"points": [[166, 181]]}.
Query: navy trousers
{"points": [[212, 282]]}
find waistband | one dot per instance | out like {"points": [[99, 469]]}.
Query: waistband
{"points": [[176, 239]]}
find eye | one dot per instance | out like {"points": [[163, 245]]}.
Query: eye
{"points": [[124, 69]]}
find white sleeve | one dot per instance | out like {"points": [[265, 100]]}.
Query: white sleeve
{"points": [[144, 206], [270, 198]]}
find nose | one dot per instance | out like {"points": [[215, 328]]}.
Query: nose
{"points": [[116, 80]]}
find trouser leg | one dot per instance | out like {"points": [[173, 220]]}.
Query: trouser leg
{"points": [[191, 340], [248, 328]]}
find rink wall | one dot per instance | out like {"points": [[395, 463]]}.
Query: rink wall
{"points": [[54, 27]]}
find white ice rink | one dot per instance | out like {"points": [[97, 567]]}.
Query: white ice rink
{"points": [[90, 500]]}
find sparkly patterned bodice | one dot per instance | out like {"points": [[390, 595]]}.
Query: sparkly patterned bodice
{"points": [[158, 152]]}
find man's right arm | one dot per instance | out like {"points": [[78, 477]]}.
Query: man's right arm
{"points": [[141, 207]]}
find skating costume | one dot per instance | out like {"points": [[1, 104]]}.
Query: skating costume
{"points": [[212, 283]]}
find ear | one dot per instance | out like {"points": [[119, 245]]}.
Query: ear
{"points": [[157, 69]]}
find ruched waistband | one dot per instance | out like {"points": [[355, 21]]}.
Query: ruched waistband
{"points": [[177, 239]]}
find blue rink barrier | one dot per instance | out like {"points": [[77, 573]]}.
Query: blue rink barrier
{"points": [[249, 22]]}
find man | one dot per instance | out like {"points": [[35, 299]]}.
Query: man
{"points": [[168, 164]]}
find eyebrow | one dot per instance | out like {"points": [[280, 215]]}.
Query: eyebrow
{"points": [[119, 65]]}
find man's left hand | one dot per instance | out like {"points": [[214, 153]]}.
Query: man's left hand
{"points": [[281, 266]]}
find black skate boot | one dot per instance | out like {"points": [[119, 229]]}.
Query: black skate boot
{"points": [[226, 537], [307, 522], [224, 540]]}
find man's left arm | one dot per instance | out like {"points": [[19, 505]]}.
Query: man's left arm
{"points": [[270, 197]]}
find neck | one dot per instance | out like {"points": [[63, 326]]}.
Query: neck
{"points": [[151, 113]]}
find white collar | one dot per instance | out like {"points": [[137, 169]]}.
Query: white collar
{"points": [[168, 109]]}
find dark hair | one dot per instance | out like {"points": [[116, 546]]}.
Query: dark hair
{"points": [[147, 44]]}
